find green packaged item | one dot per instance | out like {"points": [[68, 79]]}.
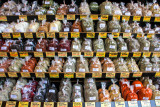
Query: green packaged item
{"points": [[98, 45], [122, 46], [144, 44], [154, 44], [94, 6], [101, 26], [133, 44], [125, 27], [87, 25], [106, 8], [47, 3], [110, 44], [114, 26]]}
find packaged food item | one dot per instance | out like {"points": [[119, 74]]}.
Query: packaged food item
{"points": [[146, 66], [145, 93], [156, 93], [33, 27], [82, 65], [63, 9], [132, 96], [42, 65], [137, 29], [66, 26], [133, 44], [114, 26], [95, 65], [110, 44], [6, 46], [87, 25], [29, 45], [125, 27], [16, 65], [76, 27], [101, 26], [86, 45], [17, 45], [94, 7], [64, 45], [144, 44], [84, 8], [21, 26], [40, 11], [120, 65], [41, 45], [108, 65], [106, 8], [137, 85], [98, 45], [4, 64], [52, 95], [44, 27], [70, 65], [47, 3], [55, 26], [53, 45], [73, 8], [116, 10], [132, 66], [76, 45], [122, 46], [154, 44], [155, 65]]}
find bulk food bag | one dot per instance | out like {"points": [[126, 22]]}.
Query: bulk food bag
{"points": [[76, 27], [110, 44], [98, 45], [87, 25], [84, 8], [82, 65]]}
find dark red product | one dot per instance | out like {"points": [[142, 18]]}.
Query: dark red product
{"points": [[65, 45], [41, 45], [6, 46], [53, 45]]}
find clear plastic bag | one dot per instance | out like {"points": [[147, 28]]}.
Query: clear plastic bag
{"points": [[98, 44], [110, 44], [86, 45]]}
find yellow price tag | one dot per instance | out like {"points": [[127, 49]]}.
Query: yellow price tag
{"points": [[150, 35], [75, 35], [25, 74], [124, 54], [136, 18], [119, 104], [156, 54], [124, 75], [94, 17], [106, 104], [50, 35], [6, 35], [126, 35], [139, 35], [145, 103], [23, 17], [126, 18], [157, 103], [113, 54], [2, 74], [23, 104], [96, 75], [23, 54], [28, 35], [41, 17], [60, 17], [157, 19], [3, 54], [146, 54], [100, 54], [82, 16], [63, 34], [91, 35], [137, 74], [50, 54], [146, 18], [40, 75], [80, 75], [38, 54], [35, 104], [62, 54], [3, 18], [103, 35], [10, 104], [90, 104], [62, 104], [16, 35], [110, 75], [132, 104], [13, 54], [137, 54], [69, 75], [88, 54], [157, 74], [104, 17], [40, 35], [54, 75], [48, 104], [77, 104], [116, 35], [116, 17], [0, 103], [70, 17], [76, 54]]}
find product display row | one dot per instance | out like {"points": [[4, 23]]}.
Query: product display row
{"points": [[106, 8], [87, 91], [83, 65], [86, 25]]}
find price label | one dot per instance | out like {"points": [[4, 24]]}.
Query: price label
{"points": [[62, 104], [48, 104], [139, 35], [62, 54], [3, 18], [80, 75], [90, 35], [90, 104], [2, 74], [104, 17], [70, 17], [23, 104], [126, 18], [157, 74], [157, 103], [116, 17], [116, 35], [132, 104], [38, 54], [16, 35], [60, 17], [100, 54], [157, 19], [12, 74], [146, 18], [77, 104], [23, 54], [145, 103], [76, 54], [125, 75], [0, 103], [124, 54], [105, 104], [28, 35], [35, 104], [50, 54], [94, 17], [54, 75], [113, 54], [6, 35], [23, 17], [156, 54], [137, 54], [150, 35], [3, 54], [88, 54], [146, 54], [41, 17], [126, 35], [13, 54], [110, 75], [40, 35], [50, 35], [136, 18], [137, 74], [82, 16], [10, 104], [119, 104], [25, 74], [96, 75], [40, 75], [63, 34], [103, 35], [75, 35], [69, 75]]}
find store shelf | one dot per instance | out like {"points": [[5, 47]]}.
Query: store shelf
{"points": [[73, 17], [80, 75], [73, 35], [147, 103], [77, 54]]}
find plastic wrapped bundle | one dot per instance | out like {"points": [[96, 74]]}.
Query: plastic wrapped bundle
{"points": [[95, 65], [133, 45], [76, 27], [73, 8], [94, 7], [98, 44], [55, 26], [106, 8], [125, 27], [122, 46], [87, 45], [110, 44], [70, 65], [101, 26], [114, 26], [108, 65], [84, 8], [144, 44], [82, 65], [76, 45], [87, 25], [51, 95]]}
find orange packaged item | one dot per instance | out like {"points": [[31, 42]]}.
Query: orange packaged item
{"points": [[54, 68], [145, 93], [95, 65], [124, 86], [132, 96], [137, 85], [29, 64], [108, 66], [123, 80], [63, 9], [44, 27], [76, 27]]}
